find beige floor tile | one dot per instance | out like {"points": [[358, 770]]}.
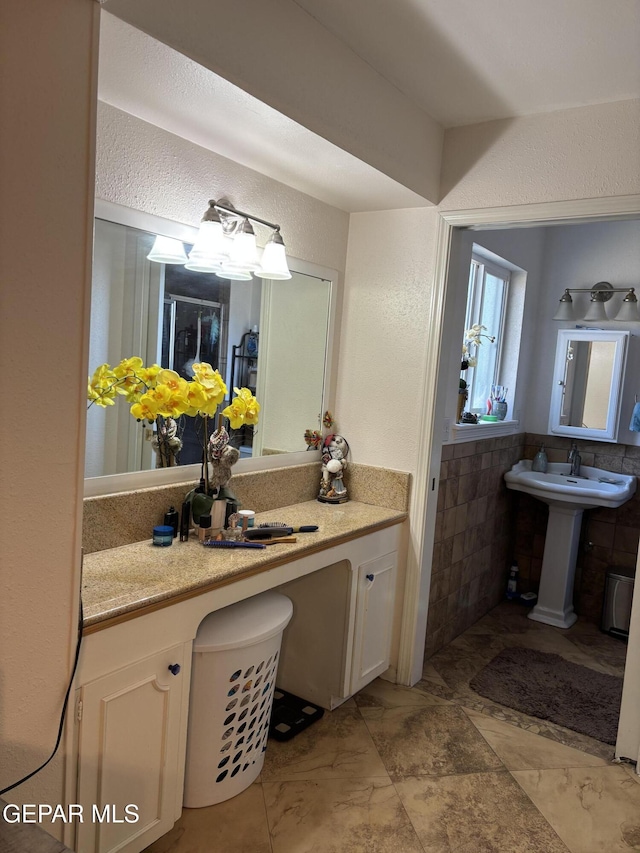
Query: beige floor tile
{"points": [[594, 810], [431, 675], [336, 747], [432, 741], [523, 750], [383, 694], [238, 825], [475, 813], [338, 816]]}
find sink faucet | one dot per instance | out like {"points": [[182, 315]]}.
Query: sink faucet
{"points": [[574, 459]]}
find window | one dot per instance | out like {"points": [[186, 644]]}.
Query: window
{"points": [[486, 306]]}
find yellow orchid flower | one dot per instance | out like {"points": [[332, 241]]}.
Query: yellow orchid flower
{"points": [[145, 408], [101, 389], [169, 402], [213, 386], [196, 398], [210, 379], [236, 412], [172, 380], [252, 406], [149, 375], [128, 366]]}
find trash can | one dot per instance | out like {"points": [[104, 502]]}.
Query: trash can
{"points": [[235, 660], [618, 595]]}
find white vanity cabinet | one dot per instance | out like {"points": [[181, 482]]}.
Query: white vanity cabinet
{"points": [[131, 752], [339, 638], [376, 584], [128, 743]]}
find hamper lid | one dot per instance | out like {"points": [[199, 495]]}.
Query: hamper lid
{"points": [[245, 623]]}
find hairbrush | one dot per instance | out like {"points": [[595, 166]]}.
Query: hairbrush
{"points": [[305, 528], [230, 543]]}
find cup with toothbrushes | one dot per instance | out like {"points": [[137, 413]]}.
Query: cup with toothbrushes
{"points": [[499, 406]]}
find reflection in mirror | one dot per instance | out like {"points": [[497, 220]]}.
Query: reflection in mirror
{"points": [[588, 379], [268, 336], [587, 383]]}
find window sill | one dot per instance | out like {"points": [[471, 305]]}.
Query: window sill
{"points": [[484, 429]]}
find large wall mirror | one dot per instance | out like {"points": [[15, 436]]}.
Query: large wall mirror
{"points": [[271, 336], [588, 375]]}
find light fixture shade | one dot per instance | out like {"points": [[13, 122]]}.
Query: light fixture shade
{"points": [[234, 273], [273, 264], [209, 248], [629, 309], [243, 253], [596, 312], [565, 308], [167, 250]]}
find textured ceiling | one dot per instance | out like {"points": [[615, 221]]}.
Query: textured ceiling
{"points": [[147, 79], [467, 61], [461, 61]]}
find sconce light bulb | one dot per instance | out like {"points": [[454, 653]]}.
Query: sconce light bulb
{"points": [[273, 264], [565, 308], [629, 309]]}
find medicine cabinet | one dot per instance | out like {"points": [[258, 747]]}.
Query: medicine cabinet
{"points": [[587, 383]]}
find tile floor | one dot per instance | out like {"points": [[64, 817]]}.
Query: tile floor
{"points": [[436, 769]]}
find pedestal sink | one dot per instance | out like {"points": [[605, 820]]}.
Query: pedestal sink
{"points": [[567, 496]]}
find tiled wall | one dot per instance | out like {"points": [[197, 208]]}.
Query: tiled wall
{"points": [[609, 536], [474, 537]]}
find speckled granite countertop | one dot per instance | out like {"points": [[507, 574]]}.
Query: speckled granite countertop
{"points": [[133, 577]]}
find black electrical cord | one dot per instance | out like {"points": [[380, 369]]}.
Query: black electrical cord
{"points": [[62, 716]]}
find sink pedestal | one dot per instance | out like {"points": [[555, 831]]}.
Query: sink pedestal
{"points": [[555, 597]]}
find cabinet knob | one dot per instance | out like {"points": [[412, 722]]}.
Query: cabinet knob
{"points": [[174, 668], [370, 578]]}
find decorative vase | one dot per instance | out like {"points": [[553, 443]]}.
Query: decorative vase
{"points": [[500, 410]]}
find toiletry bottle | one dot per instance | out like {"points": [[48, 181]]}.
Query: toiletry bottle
{"points": [[512, 583], [185, 516], [540, 461], [172, 519], [204, 529]]}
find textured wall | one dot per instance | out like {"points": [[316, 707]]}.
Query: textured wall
{"points": [[48, 52], [389, 281], [586, 152]]}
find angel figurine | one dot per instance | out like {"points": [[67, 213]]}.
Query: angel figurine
{"points": [[334, 461]]}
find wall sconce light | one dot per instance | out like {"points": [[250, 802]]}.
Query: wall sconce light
{"points": [[601, 293], [226, 246]]}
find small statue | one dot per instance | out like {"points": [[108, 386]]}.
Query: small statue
{"points": [[334, 461], [166, 443], [222, 456]]}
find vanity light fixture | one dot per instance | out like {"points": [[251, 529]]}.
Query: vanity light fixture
{"points": [[601, 293], [167, 250], [226, 246]]}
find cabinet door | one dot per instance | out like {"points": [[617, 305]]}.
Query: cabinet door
{"points": [[129, 754], [374, 620]]}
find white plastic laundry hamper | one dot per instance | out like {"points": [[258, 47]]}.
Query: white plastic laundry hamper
{"points": [[235, 660]]}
